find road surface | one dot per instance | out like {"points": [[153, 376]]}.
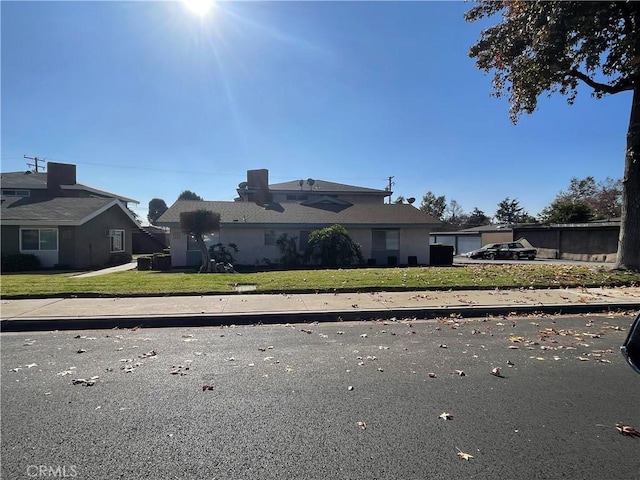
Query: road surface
{"points": [[323, 401]]}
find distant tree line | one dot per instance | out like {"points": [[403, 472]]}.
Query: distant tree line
{"points": [[584, 200]]}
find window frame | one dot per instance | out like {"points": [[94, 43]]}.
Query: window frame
{"points": [[40, 239], [113, 235]]}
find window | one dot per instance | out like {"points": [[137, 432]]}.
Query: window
{"points": [[304, 239], [270, 237], [15, 193], [385, 239], [36, 239], [116, 239]]}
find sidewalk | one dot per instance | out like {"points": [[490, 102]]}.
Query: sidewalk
{"points": [[209, 310]]}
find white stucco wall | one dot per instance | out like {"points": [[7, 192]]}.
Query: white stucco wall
{"points": [[252, 250]]}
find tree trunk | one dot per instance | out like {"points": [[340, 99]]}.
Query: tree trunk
{"points": [[206, 258], [629, 240]]}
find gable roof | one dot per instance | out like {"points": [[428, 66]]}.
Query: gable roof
{"points": [[320, 186], [299, 215], [56, 211], [38, 181]]}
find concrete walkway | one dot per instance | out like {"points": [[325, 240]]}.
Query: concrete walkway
{"points": [[82, 313], [104, 271]]}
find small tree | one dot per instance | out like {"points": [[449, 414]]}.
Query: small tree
{"points": [[198, 224], [509, 211], [157, 207], [189, 195], [433, 205], [477, 218], [289, 256], [333, 247]]}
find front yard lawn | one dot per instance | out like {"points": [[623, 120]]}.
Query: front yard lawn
{"points": [[51, 284]]}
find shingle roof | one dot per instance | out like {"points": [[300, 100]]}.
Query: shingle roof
{"points": [[38, 180], [320, 186], [56, 211], [23, 180], [249, 213]]}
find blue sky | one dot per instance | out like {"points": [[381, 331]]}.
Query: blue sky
{"points": [[148, 99]]}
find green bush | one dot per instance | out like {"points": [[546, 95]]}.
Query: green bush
{"points": [[333, 247], [20, 262]]}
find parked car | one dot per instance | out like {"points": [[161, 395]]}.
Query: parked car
{"points": [[510, 250], [631, 347]]}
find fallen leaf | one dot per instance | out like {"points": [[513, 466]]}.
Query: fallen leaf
{"points": [[464, 456], [627, 430]]}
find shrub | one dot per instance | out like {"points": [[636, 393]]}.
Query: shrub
{"points": [[333, 247], [20, 262], [120, 258], [289, 256]]}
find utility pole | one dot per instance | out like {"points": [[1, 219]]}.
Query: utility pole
{"points": [[35, 162], [390, 184]]}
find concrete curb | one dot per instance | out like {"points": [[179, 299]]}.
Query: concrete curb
{"points": [[26, 324]]}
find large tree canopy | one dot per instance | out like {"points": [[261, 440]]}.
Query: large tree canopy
{"points": [[548, 47], [157, 207], [189, 195]]}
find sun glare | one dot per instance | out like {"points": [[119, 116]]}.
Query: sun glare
{"points": [[199, 7]]}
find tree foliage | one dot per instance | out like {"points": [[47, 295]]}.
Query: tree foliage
{"points": [[541, 47], [433, 205], [509, 211], [289, 256], [333, 247], [189, 195], [199, 223], [157, 207], [477, 218], [564, 210]]}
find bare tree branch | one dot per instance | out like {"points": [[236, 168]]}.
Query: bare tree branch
{"points": [[620, 86]]}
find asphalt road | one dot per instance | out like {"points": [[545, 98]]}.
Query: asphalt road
{"points": [[282, 407]]}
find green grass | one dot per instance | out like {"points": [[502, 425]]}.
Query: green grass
{"points": [[416, 278]]}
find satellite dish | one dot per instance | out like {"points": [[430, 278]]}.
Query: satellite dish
{"points": [[411, 200], [243, 185], [301, 183], [310, 181]]}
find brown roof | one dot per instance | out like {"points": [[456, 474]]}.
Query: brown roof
{"points": [[387, 215]]}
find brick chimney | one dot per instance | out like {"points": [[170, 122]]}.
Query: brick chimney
{"points": [[60, 174]]}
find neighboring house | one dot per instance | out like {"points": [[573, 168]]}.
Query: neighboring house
{"points": [[62, 222], [388, 234], [469, 239]]}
